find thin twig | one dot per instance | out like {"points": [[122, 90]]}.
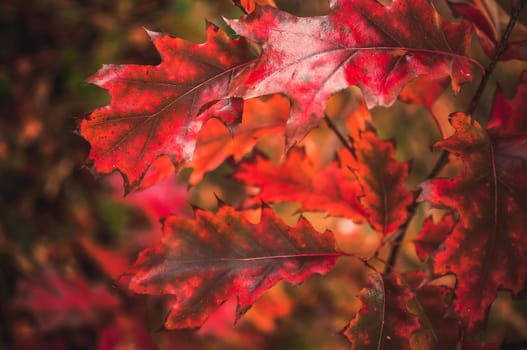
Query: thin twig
{"points": [[443, 159], [396, 243], [341, 137], [500, 49]]}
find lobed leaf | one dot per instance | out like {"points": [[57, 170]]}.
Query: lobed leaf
{"points": [[358, 43], [382, 177], [202, 262], [383, 322], [490, 21], [333, 189], [159, 110], [487, 248], [432, 235]]}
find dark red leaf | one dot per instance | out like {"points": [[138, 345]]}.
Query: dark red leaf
{"points": [[333, 189], [383, 322], [382, 177], [487, 248], [440, 327], [509, 115], [202, 262], [433, 235], [359, 43], [490, 20], [158, 110]]}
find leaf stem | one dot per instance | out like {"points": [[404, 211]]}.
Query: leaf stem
{"points": [[500, 49], [340, 136]]}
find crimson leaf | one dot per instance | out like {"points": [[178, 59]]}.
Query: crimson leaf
{"points": [[487, 248], [202, 262], [159, 110], [358, 43]]}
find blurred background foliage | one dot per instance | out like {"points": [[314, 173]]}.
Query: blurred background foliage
{"points": [[66, 237]]}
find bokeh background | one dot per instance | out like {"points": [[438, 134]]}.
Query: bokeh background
{"points": [[66, 236]]}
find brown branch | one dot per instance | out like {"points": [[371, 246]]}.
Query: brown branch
{"points": [[443, 159], [396, 243], [341, 137], [502, 46]]}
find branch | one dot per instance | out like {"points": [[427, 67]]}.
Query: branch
{"points": [[341, 137], [443, 159], [502, 46], [396, 243]]}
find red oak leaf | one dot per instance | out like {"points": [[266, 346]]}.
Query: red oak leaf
{"points": [[358, 43], [440, 327], [159, 110], [57, 301], [487, 248], [385, 200], [509, 115], [490, 20], [333, 189], [383, 322], [205, 261], [433, 235], [261, 116]]}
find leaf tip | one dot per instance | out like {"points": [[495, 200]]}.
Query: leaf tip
{"points": [[152, 34]]}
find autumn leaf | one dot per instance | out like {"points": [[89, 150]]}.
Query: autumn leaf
{"points": [[250, 5], [159, 110], [382, 177], [333, 189], [432, 235], [487, 247], [440, 327], [490, 21], [261, 117], [509, 114], [202, 262], [57, 301], [358, 43], [383, 322]]}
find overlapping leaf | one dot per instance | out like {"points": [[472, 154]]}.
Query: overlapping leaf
{"points": [[487, 248], [333, 189], [261, 117], [490, 21], [439, 326], [382, 177], [509, 115], [216, 256], [159, 110], [383, 322], [432, 235], [358, 43]]}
